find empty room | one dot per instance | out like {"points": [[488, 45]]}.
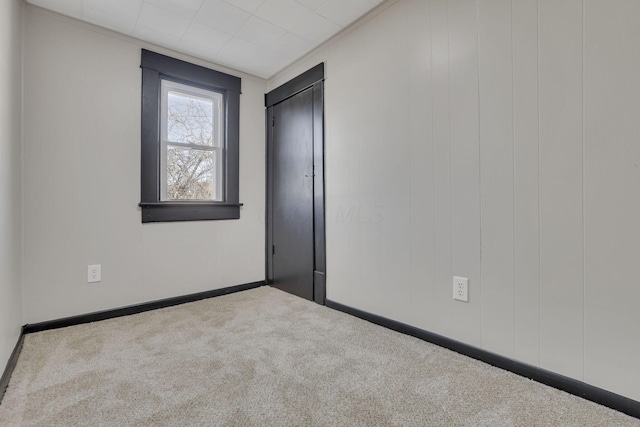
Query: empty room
{"points": [[319, 212]]}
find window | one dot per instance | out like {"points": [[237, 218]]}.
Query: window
{"points": [[190, 153], [192, 140]]}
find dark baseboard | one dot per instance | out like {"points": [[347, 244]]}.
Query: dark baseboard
{"points": [[134, 309], [11, 364], [552, 379]]}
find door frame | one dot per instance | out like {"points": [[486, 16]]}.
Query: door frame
{"points": [[311, 79]]}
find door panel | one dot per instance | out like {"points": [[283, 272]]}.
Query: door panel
{"points": [[292, 203]]}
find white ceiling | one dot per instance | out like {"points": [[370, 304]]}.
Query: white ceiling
{"points": [[259, 37]]}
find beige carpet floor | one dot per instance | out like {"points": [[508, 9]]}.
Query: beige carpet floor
{"points": [[266, 358]]}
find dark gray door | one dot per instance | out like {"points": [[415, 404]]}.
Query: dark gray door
{"points": [[292, 202], [295, 241]]}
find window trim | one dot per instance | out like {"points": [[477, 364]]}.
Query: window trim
{"points": [[155, 68]]}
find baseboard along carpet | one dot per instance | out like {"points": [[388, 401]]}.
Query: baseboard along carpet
{"points": [[263, 357]]}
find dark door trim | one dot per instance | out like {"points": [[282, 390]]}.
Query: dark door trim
{"points": [[314, 79], [295, 85]]}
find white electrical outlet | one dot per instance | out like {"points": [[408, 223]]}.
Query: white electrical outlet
{"points": [[461, 289], [94, 273]]}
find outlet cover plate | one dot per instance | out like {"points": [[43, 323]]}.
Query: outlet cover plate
{"points": [[461, 289], [94, 273]]}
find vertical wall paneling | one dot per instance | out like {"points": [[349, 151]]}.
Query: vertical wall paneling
{"points": [[395, 160], [369, 195], [561, 256], [465, 162], [612, 196], [359, 142], [349, 190], [457, 132], [422, 163], [11, 169], [526, 213], [496, 174], [441, 166], [340, 167]]}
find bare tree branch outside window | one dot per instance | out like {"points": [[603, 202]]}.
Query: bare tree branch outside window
{"points": [[191, 157]]}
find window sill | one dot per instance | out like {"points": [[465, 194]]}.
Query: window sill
{"points": [[188, 211]]}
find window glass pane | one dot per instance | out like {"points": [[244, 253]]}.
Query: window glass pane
{"points": [[189, 119], [191, 174]]}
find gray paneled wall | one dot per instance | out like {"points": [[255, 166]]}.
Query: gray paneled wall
{"points": [[10, 175], [561, 185], [497, 179], [611, 194], [497, 140], [526, 166]]}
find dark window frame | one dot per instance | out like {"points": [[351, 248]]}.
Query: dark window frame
{"points": [[155, 68]]}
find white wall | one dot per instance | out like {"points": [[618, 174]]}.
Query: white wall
{"points": [[82, 182], [497, 140], [10, 187]]}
